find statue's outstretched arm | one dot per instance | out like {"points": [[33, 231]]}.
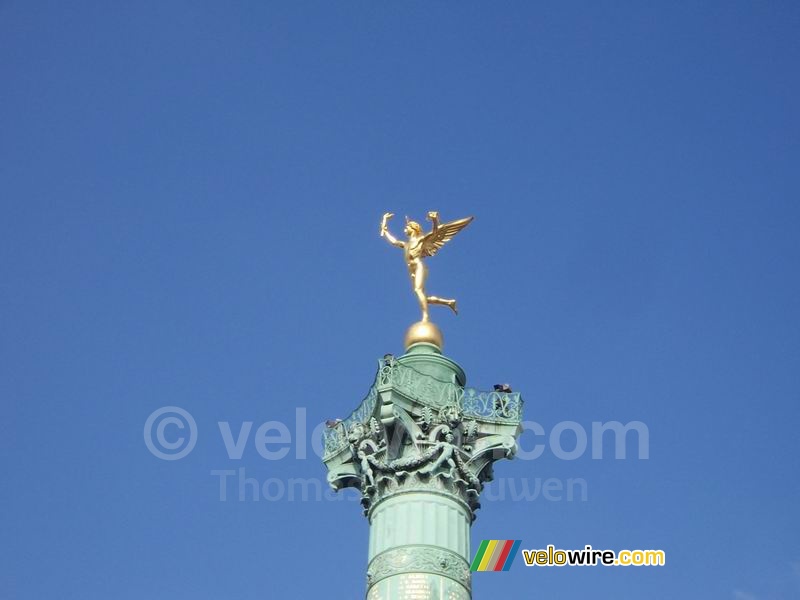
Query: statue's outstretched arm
{"points": [[387, 234]]}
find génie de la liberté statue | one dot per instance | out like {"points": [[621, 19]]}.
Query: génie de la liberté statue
{"points": [[420, 245]]}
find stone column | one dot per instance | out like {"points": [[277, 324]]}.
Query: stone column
{"points": [[419, 447]]}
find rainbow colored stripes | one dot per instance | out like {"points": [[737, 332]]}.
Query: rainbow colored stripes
{"points": [[495, 555]]}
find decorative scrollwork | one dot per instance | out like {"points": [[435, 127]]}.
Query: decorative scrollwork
{"points": [[493, 406]]}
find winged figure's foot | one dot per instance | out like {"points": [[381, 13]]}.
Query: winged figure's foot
{"points": [[452, 305]]}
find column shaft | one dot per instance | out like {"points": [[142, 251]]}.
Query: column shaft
{"points": [[419, 548]]}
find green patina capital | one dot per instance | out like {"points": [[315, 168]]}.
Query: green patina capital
{"points": [[420, 428]]}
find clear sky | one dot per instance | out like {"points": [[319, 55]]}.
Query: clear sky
{"points": [[191, 194]]}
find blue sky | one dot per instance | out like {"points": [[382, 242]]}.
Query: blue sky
{"points": [[191, 194]]}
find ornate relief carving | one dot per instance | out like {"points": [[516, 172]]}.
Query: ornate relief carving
{"points": [[421, 433], [493, 406], [418, 559]]}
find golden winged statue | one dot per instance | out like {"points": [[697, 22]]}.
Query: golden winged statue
{"points": [[420, 245]]}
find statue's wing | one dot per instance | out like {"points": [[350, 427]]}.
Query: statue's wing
{"points": [[432, 242]]}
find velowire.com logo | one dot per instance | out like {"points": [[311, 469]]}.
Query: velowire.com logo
{"points": [[498, 555]]}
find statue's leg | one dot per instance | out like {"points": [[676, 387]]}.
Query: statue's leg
{"points": [[418, 279], [450, 302]]}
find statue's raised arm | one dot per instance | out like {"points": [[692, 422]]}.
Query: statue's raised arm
{"points": [[387, 234]]}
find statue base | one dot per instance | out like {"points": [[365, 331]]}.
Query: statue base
{"points": [[424, 332]]}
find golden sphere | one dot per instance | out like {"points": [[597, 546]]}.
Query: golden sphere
{"points": [[424, 332]]}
